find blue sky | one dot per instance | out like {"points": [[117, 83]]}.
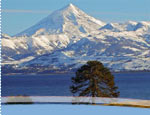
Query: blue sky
{"points": [[18, 15]]}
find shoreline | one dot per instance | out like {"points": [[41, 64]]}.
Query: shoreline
{"points": [[57, 73]]}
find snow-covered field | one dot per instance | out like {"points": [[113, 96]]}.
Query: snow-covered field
{"points": [[62, 105], [72, 99], [60, 109]]}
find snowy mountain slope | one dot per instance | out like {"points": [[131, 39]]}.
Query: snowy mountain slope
{"points": [[68, 38], [54, 32], [122, 54], [68, 19], [22, 47]]}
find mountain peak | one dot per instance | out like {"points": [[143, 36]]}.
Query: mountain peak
{"points": [[61, 20], [71, 5], [70, 8]]}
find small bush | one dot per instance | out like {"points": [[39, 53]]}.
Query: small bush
{"points": [[19, 100]]}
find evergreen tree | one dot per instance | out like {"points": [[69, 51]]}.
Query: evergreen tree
{"points": [[95, 80]]}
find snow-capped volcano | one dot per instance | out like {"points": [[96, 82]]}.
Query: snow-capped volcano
{"points": [[68, 38], [68, 18], [54, 32]]}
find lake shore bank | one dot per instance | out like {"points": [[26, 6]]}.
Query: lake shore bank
{"points": [[57, 73]]}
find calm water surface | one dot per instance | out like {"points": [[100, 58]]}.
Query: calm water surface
{"points": [[131, 85]]}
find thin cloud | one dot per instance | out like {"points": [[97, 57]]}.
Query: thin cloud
{"points": [[25, 11], [93, 13]]}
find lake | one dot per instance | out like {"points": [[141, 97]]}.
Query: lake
{"points": [[131, 85]]}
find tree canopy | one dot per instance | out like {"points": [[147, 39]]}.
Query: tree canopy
{"points": [[93, 79]]}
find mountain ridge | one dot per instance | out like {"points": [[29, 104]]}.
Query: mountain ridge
{"points": [[68, 37]]}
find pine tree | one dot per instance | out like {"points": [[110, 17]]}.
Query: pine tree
{"points": [[95, 80]]}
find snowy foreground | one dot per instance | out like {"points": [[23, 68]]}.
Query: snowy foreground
{"points": [[71, 99], [61, 105], [59, 109]]}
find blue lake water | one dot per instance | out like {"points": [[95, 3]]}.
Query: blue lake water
{"points": [[131, 85]]}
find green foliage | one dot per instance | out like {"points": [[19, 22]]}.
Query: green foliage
{"points": [[93, 79]]}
